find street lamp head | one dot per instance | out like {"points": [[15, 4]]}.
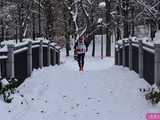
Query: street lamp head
{"points": [[102, 4], [100, 20]]}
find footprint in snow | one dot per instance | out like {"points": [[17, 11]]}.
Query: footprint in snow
{"points": [[42, 111], [86, 105], [97, 113], [65, 112], [46, 101], [74, 116], [77, 105], [18, 91], [72, 108], [110, 92], [64, 96], [89, 98], [22, 96]]}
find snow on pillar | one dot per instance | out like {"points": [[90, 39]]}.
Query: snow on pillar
{"points": [[10, 62], [123, 54], [41, 54], [130, 55], [140, 52], [29, 59], [157, 65]]}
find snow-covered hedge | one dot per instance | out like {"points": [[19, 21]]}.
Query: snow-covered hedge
{"points": [[152, 94], [7, 88]]}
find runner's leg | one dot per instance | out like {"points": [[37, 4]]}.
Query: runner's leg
{"points": [[79, 60], [83, 55]]}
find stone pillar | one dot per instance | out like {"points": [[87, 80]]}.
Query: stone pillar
{"points": [[119, 55], [48, 55], [123, 54], [130, 55], [157, 65], [10, 62], [116, 57], [58, 62], [54, 56], [29, 59], [140, 61], [0, 69], [41, 54]]}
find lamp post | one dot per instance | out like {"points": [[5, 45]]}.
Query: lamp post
{"points": [[106, 4], [100, 20], [101, 43], [101, 31]]}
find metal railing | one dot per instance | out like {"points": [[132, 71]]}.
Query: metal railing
{"points": [[140, 57], [20, 60]]}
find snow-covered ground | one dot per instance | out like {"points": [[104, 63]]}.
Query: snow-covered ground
{"points": [[102, 92]]}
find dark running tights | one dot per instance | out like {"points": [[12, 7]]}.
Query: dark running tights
{"points": [[81, 59]]}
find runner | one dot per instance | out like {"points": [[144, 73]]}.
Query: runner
{"points": [[80, 51]]}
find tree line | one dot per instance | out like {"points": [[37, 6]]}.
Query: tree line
{"points": [[21, 19]]}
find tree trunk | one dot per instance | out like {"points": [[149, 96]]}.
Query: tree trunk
{"points": [[125, 23], [2, 31], [49, 19], [2, 25], [93, 50], [133, 25], [67, 44], [108, 34], [16, 37], [33, 26], [20, 21], [39, 18], [92, 36], [118, 35]]}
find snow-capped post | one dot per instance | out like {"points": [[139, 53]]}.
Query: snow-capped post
{"points": [[140, 61], [29, 59], [41, 54], [157, 65], [123, 54], [130, 55], [10, 62], [48, 55], [119, 55]]}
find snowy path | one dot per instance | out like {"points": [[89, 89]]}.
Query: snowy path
{"points": [[102, 92]]}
